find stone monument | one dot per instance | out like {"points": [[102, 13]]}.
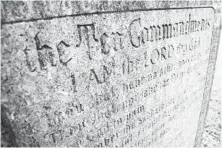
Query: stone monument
{"points": [[107, 73]]}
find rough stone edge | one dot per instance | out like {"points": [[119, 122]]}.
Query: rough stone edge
{"points": [[214, 47], [19, 11]]}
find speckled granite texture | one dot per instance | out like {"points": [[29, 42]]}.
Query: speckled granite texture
{"points": [[107, 73]]}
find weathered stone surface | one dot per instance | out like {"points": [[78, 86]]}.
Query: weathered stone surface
{"points": [[107, 73]]}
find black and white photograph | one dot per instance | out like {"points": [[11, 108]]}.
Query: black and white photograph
{"points": [[111, 73]]}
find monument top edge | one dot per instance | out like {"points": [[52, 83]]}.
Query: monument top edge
{"points": [[29, 11]]}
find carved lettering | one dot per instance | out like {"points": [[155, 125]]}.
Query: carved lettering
{"points": [[45, 54], [137, 64], [118, 41], [61, 48], [105, 43], [155, 56], [29, 61], [83, 30], [167, 31], [105, 75], [73, 82], [133, 32]]}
